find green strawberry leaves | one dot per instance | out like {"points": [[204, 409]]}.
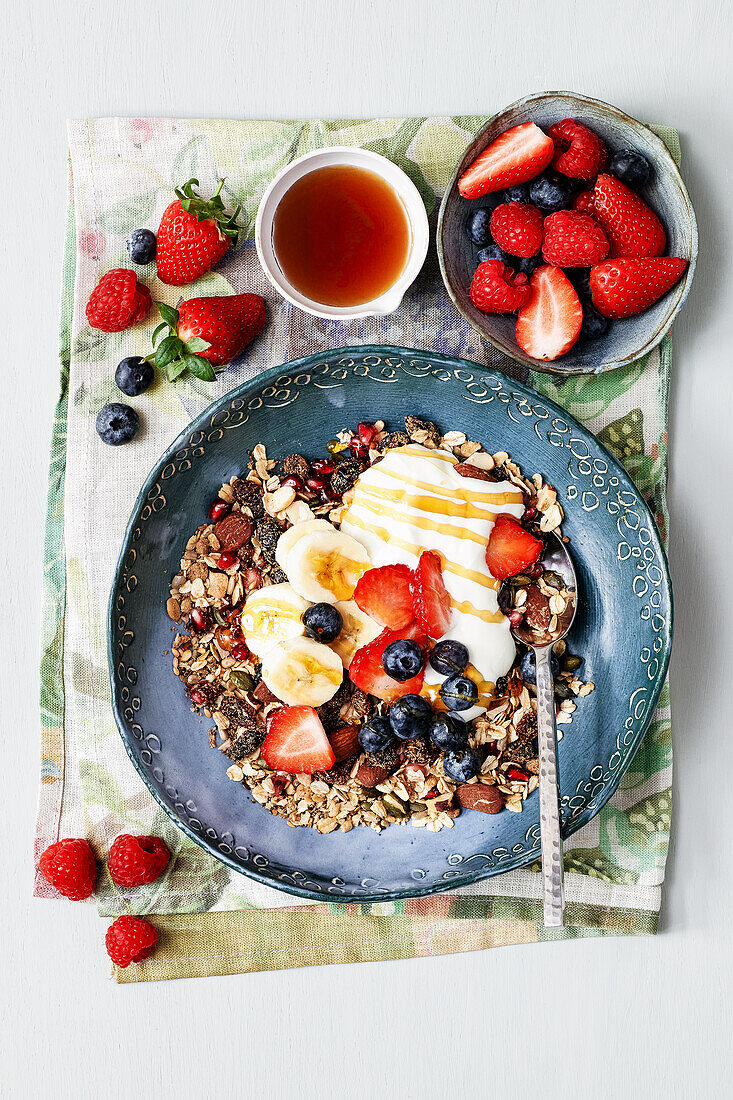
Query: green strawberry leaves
{"points": [[213, 208], [172, 355]]}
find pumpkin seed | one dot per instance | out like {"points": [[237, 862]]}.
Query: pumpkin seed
{"points": [[521, 581], [242, 680], [394, 804], [219, 617], [563, 690], [571, 662], [552, 579]]}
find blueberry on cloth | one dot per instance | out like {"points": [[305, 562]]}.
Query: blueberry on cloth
{"points": [[134, 375], [117, 424], [141, 246]]}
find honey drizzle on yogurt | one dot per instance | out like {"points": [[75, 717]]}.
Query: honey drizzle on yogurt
{"points": [[408, 490]]}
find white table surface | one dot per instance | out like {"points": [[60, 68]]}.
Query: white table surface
{"points": [[592, 1018]]}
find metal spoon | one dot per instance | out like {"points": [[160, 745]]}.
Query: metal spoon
{"points": [[558, 560]]}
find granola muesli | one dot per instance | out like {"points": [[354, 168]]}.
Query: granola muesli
{"points": [[234, 555]]}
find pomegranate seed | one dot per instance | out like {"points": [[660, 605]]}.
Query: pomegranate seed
{"points": [[515, 617], [537, 569], [217, 510], [323, 467], [240, 652], [315, 484], [292, 481], [200, 620], [357, 448], [227, 560], [199, 698], [367, 433], [518, 774], [530, 513], [491, 748]]}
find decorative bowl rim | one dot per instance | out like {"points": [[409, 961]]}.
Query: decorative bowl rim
{"points": [[653, 341], [257, 382]]}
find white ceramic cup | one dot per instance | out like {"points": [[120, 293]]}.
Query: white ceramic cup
{"points": [[412, 204]]}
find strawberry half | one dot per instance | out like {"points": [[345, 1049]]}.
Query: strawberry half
{"points": [[510, 548], [550, 323], [572, 239], [631, 226], [206, 332], [430, 597], [367, 673], [516, 156], [384, 594], [624, 286], [498, 288], [296, 742], [579, 153], [193, 235]]}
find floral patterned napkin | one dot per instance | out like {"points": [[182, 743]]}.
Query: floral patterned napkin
{"points": [[122, 172]]}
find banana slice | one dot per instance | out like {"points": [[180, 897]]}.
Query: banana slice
{"points": [[325, 565], [302, 671], [271, 615], [289, 538], [359, 629]]}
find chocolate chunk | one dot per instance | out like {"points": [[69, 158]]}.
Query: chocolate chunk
{"points": [[247, 739], [233, 531], [263, 694], [236, 711], [537, 613], [481, 797]]}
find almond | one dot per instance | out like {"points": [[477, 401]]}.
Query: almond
{"points": [[344, 742], [233, 531], [465, 469], [479, 796], [369, 775]]}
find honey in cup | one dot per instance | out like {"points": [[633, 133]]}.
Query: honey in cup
{"points": [[341, 235]]}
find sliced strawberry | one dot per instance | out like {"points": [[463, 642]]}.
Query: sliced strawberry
{"points": [[510, 549], [516, 156], [367, 673], [550, 323], [430, 597], [384, 594], [623, 287], [631, 226], [296, 742]]}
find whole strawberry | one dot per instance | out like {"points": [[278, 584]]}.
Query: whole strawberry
{"points": [[579, 152], [625, 286], [137, 860], [517, 228], [498, 288], [572, 239], [206, 332], [117, 301], [194, 234], [70, 868], [631, 226], [130, 940]]}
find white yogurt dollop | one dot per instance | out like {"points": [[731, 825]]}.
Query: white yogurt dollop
{"points": [[413, 500]]}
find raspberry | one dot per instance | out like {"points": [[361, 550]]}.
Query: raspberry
{"points": [[498, 288], [70, 867], [137, 860], [573, 239], [117, 301], [585, 202], [517, 228], [579, 153], [130, 939]]}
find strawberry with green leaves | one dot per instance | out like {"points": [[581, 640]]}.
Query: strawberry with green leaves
{"points": [[194, 234], [204, 333]]}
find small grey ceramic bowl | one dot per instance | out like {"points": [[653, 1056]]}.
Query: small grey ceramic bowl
{"points": [[625, 340]]}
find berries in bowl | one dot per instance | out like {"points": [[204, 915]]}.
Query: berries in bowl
{"points": [[566, 236]]}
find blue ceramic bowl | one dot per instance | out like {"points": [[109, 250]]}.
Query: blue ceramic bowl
{"points": [[622, 628], [625, 340]]}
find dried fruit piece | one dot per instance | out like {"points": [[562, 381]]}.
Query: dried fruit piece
{"points": [[233, 531]]}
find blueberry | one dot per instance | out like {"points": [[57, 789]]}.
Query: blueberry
{"points": [[550, 193], [134, 375], [323, 622], [459, 693], [448, 657], [594, 323], [493, 252], [630, 167], [580, 278], [528, 668], [518, 193], [461, 766], [448, 731], [376, 735], [477, 226], [141, 246], [526, 264], [117, 424], [402, 659], [410, 717]]}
